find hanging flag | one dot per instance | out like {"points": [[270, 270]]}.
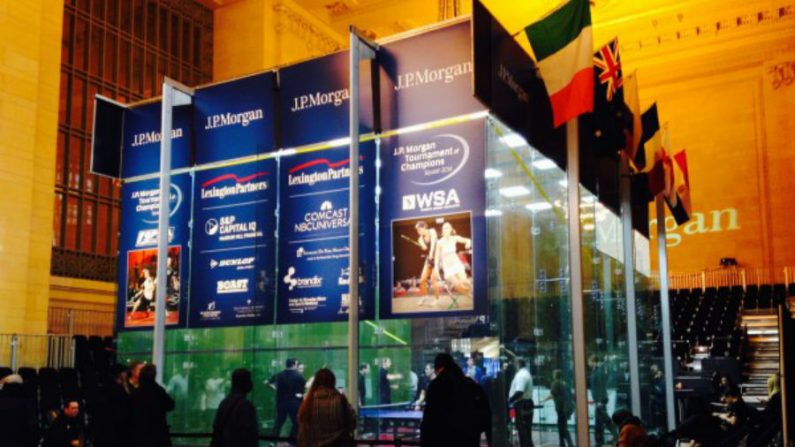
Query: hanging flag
{"points": [[679, 201], [563, 45], [649, 158], [610, 114], [634, 130]]}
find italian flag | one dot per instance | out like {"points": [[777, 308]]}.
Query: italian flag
{"points": [[563, 45]]}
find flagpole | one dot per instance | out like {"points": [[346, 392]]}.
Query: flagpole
{"points": [[575, 282], [628, 234], [665, 305]]}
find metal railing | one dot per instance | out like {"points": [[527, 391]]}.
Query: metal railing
{"points": [[728, 277], [62, 320], [37, 351]]}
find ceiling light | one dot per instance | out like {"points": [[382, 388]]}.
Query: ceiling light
{"points": [[493, 213], [544, 164], [538, 206], [493, 173], [513, 140], [514, 191]]}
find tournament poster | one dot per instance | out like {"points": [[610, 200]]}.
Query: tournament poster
{"points": [[234, 245], [432, 223], [137, 276], [314, 213]]}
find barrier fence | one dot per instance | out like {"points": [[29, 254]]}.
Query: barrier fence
{"points": [[61, 320], [728, 277], [37, 351], [397, 442]]}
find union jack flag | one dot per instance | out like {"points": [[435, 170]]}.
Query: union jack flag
{"points": [[608, 68]]}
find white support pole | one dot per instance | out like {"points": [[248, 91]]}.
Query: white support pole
{"points": [[629, 285], [665, 305], [158, 338], [359, 48], [174, 94], [575, 283]]}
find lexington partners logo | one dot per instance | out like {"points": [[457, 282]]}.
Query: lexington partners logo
{"points": [[242, 119], [232, 185], [232, 286], [335, 98], [295, 282], [442, 75], [151, 137], [334, 171], [326, 218]]}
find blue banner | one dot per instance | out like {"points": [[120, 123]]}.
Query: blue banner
{"points": [[314, 101], [140, 208], [141, 142], [234, 245], [432, 223], [431, 84], [313, 236], [235, 119]]}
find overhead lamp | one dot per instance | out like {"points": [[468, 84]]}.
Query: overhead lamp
{"points": [[492, 173], [514, 191], [588, 227], [513, 140], [544, 164], [538, 206], [491, 212]]}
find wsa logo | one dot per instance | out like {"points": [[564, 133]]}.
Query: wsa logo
{"points": [[433, 200]]}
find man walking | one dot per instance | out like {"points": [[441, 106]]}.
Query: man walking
{"points": [[521, 396], [289, 386], [597, 382]]}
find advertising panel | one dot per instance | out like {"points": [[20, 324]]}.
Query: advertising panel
{"points": [[316, 91], [234, 245], [432, 224], [313, 236], [141, 142], [431, 84], [140, 210], [235, 119]]}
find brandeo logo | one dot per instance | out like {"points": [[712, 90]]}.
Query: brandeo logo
{"points": [[232, 286], [231, 185], [326, 218], [151, 137], [242, 119], [294, 282], [432, 200], [445, 75], [308, 101], [339, 170]]}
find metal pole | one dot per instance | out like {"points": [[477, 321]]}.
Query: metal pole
{"points": [[14, 351], [158, 339], [575, 289], [353, 229], [629, 285], [665, 304]]}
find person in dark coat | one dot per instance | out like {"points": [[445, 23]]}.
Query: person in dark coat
{"points": [[457, 409], [289, 386], [66, 429], [113, 420], [150, 403], [235, 422], [17, 415]]}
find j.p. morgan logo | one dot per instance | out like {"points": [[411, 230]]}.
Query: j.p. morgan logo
{"points": [[295, 282], [242, 119], [326, 218], [432, 200], [151, 137], [442, 75], [308, 101], [232, 286], [230, 185], [339, 170]]}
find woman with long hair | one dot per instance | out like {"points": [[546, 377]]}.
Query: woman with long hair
{"points": [[325, 418], [447, 259]]}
